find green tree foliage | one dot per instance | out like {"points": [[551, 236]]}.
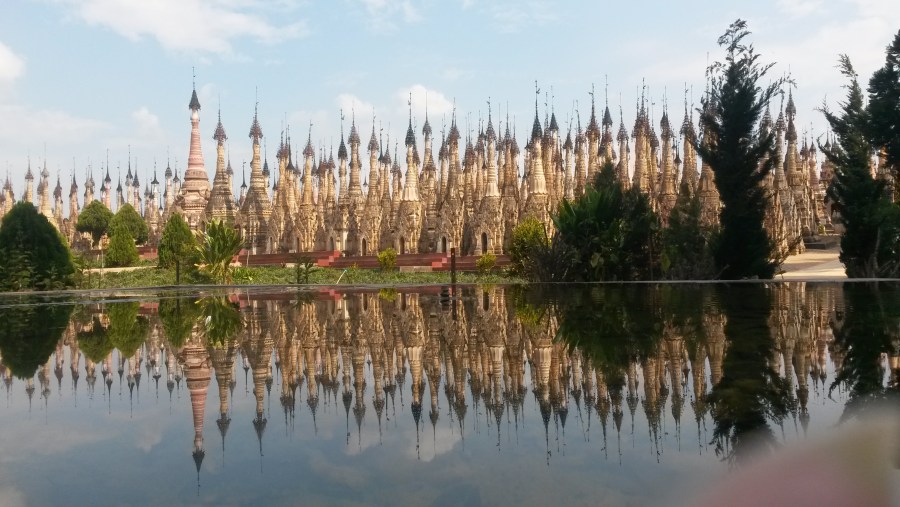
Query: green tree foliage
{"points": [[884, 110], [613, 232], [94, 219], [221, 320], [387, 259], [177, 246], [129, 217], [870, 244], [687, 253], [216, 248], [122, 251], [94, 341], [29, 334], [525, 237], [178, 316], [740, 159], [751, 391], [127, 328], [867, 330], [33, 255], [485, 264]]}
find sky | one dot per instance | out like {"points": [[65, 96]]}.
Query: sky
{"points": [[83, 80]]}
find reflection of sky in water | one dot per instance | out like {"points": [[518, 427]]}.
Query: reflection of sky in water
{"points": [[92, 448]]}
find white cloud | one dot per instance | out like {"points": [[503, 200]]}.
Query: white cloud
{"points": [[352, 105], [437, 103], [12, 66], [147, 123], [186, 25], [24, 125], [510, 17], [382, 15]]}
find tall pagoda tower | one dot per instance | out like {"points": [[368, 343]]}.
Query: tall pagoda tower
{"points": [[192, 199]]}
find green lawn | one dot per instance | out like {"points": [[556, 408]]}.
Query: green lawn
{"points": [[273, 275]]}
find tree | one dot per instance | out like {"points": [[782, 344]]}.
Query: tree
{"points": [[33, 255], [686, 251], [216, 248], [739, 158], [870, 244], [30, 333], [127, 328], [122, 251], [884, 110], [178, 246], [178, 316], [613, 232], [129, 217], [387, 259], [526, 236], [94, 219]]}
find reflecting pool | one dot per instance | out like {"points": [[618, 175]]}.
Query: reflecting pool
{"points": [[479, 395]]}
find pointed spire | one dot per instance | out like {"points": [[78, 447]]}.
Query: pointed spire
{"points": [[342, 148], [219, 135], [410, 135], [195, 102], [255, 130], [536, 131]]}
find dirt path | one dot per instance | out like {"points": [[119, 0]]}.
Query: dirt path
{"points": [[813, 265]]}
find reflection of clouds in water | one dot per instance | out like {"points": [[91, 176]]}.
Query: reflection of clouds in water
{"points": [[21, 440], [12, 496]]}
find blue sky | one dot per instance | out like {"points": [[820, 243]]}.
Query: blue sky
{"points": [[81, 77]]}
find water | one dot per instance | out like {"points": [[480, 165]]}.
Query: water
{"points": [[593, 395]]}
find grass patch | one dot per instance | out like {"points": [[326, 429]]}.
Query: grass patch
{"points": [[275, 275]]}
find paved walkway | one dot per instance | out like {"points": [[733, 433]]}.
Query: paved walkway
{"points": [[813, 265], [116, 270]]}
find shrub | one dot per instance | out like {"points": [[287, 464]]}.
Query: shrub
{"points": [[527, 235], [94, 219], [177, 246], [127, 216], [217, 247], [122, 251], [33, 255], [387, 259], [485, 264]]}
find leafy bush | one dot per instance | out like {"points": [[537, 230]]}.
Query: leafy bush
{"points": [[387, 259], [527, 235], [613, 233], [94, 219], [686, 252], [177, 246], [33, 255], [486, 263], [122, 251], [127, 216], [304, 267], [217, 247]]}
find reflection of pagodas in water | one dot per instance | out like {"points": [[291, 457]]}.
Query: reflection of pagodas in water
{"points": [[197, 373]]}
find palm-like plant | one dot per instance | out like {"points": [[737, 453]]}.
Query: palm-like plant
{"points": [[216, 247]]}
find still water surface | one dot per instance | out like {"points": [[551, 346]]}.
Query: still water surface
{"points": [[596, 395]]}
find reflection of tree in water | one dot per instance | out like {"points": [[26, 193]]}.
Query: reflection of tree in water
{"points": [[28, 335], [127, 329], [178, 316], [868, 327], [751, 391]]}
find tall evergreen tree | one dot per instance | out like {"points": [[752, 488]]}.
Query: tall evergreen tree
{"points": [[122, 251], [884, 110], [740, 159], [94, 219], [869, 244], [129, 217], [33, 255], [177, 246]]}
